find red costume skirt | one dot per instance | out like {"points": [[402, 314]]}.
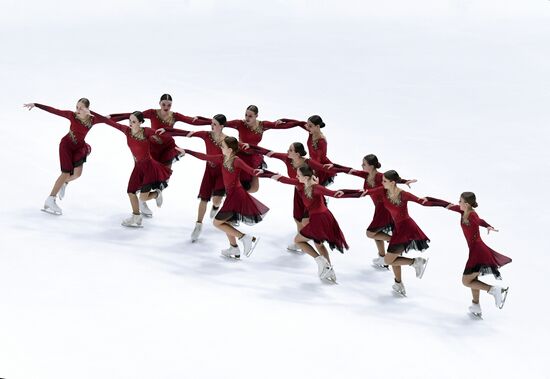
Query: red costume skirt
{"points": [[299, 210], [212, 183], [407, 235], [483, 259], [381, 221], [323, 227], [163, 149], [72, 154], [239, 206], [148, 175]]}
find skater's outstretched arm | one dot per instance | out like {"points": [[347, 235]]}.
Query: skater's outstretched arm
{"points": [[281, 124], [218, 159], [289, 121], [234, 124], [320, 190], [198, 120], [239, 163], [58, 112], [174, 132], [108, 121], [474, 217], [285, 180]]}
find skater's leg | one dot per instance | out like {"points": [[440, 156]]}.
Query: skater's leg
{"points": [[301, 241], [216, 201], [299, 225], [59, 182], [323, 251], [134, 202], [201, 211], [397, 273], [475, 296], [146, 196], [76, 174], [472, 281], [227, 229], [395, 259], [254, 185]]}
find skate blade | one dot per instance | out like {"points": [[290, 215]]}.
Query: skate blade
{"points": [[399, 293], [231, 257], [381, 268], [49, 211], [475, 316], [146, 215], [254, 243], [132, 226], [424, 268], [295, 251], [329, 281], [504, 296]]}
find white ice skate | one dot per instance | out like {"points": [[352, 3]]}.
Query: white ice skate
{"points": [[294, 248], [249, 243], [196, 232], [214, 212], [399, 288], [158, 199], [330, 275], [144, 209], [379, 263], [233, 252], [61, 193], [419, 265], [133, 221], [51, 207], [499, 294], [324, 269], [475, 310]]}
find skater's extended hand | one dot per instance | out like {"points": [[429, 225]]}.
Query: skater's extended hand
{"points": [[29, 105], [351, 171], [278, 122], [423, 200], [160, 131], [195, 118], [449, 206], [409, 182], [276, 177], [339, 194], [182, 151], [328, 166], [258, 171], [364, 193], [491, 229], [245, 146], [270, 153]]}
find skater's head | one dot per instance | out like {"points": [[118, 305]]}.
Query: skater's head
{"points": [[390, 179], [165, 102], [230, 146], [136, 119], [218, 122], [251, 114], [370, 163], [467, 201], [82, 106], [296, 150], [304, 173], [314, 124]]}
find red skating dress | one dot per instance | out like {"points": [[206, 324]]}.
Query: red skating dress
{"points": [[73, 149], [481, 258], [406, 234], [148, 174], [299, 210], [239, 205], [253, 137], [212, 179], [318, 152], [163, 146], [322, 226]]}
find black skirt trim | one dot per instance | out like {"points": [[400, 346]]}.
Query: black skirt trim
{"points": [[484, 270]]}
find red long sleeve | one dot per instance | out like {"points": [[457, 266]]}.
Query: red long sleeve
{"points": [[177, 132], [105, 120], [288, 124], [320, 190], [476, 219], [285, 180], [66, 114], [192, 120], [239, 163], [218, 159]]}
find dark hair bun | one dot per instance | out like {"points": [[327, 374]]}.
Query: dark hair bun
{"points": [[166, 97], [221, 119]]}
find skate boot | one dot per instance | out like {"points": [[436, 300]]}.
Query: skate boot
{"points": [[61, 193], [379, 263], [233, 252], [294, 248], [249, 243], [323, 267], [158, 199], [475, 310], [196, 232], [499, 294], [419, 265], [399, 288], [331, 275], [144, 209], [133, 221], [50, 206], [214, 211]]}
